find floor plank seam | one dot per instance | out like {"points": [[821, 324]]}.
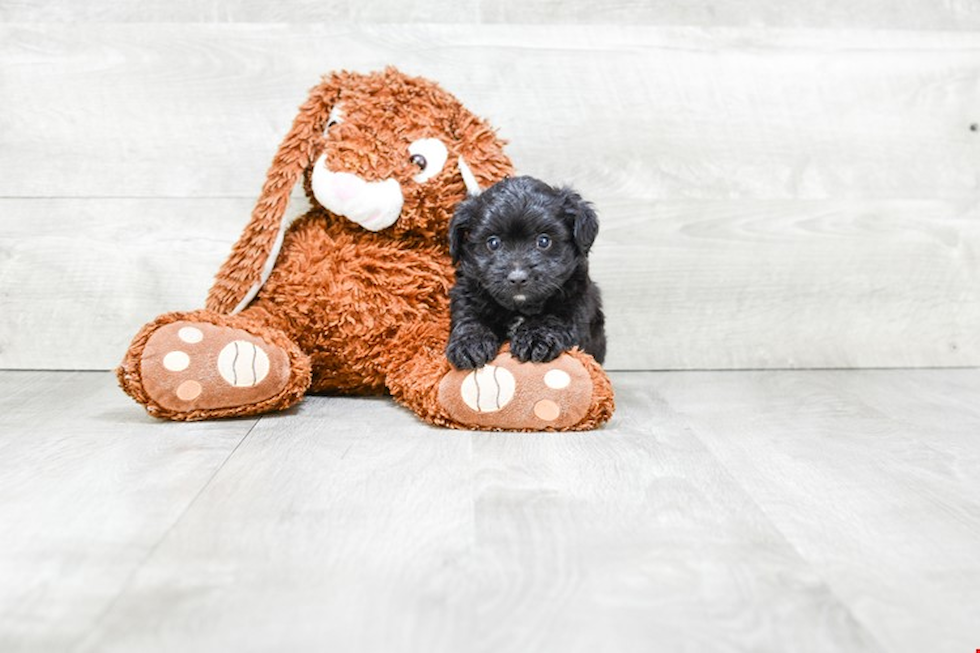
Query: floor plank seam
{"points": [[124, 587], [824, 581], [722, 370], [613, 370]]}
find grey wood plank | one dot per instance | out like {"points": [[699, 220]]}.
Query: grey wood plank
{"points": [[687, 284], [790, 284], [88, 487], [250, 11], [342, 527], [629, 111], [867, 14], [871, 475], [81, 276], [883, 14], [636, 539], [349, 526]]}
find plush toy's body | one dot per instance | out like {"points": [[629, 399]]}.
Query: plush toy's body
{"points": [[352, 297]]}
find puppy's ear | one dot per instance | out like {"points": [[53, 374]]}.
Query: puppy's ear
{"points": [[464, 216], [582, 218]]}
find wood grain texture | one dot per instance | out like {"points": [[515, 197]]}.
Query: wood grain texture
{"points": [[88, 487], [866, 14], [625, 111], [769, 198], [332, 12], [790, 284], [687, 284], [81, 276], [351, 527], [635, 539], [344, 527], [880, 14], [734, 511], [865, 465]]}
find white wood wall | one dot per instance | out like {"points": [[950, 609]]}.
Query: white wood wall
{"points": [[780, 184]]}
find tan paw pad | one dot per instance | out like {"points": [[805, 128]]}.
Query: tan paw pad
{"points": [[200, 366], [488, 389], [510, 395]]}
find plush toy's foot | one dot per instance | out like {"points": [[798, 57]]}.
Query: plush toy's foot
{"points": [[189, 369], [568, 394]]}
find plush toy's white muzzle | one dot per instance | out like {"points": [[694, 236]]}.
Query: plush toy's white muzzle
{"points": [[374, 205]]}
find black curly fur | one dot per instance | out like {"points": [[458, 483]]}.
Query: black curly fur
{"points": [[534, 292]]}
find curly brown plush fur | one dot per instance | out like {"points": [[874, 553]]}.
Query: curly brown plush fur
{"points": [[345, 309]]}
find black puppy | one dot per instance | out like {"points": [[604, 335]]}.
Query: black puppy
{"points": [[522, 274]]}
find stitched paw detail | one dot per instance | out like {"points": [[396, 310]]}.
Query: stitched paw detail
{"points": [[488, 389], [189, 366], [509, 395]]}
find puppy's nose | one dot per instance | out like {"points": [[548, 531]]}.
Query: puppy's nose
{"points": [[517, 277]]}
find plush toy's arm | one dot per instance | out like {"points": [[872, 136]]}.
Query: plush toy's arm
{"points": [[254, 254]]}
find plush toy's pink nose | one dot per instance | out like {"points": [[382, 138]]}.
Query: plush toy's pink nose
{"points": [[372, 204], [345, 185]]}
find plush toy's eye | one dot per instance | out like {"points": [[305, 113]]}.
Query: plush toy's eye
{"points": [[544, 241], [493, 243], [430, 155], [335, 118]]}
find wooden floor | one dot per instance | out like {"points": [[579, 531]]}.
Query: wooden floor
{"points": [[720, 511]]}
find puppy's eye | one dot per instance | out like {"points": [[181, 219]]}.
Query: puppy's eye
{"points": [[493, 243], [544, 241], [430, 155]]}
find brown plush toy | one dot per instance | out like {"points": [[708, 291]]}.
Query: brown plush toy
{"points": [[352, 297]]}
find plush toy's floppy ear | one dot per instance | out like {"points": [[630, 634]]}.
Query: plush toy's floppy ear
{"points": [[469, 180], [481, 163], [585, 222], [253, 256], [460, 224], [481, 160]]}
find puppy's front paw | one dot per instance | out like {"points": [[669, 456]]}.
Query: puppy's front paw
{"points": [[471, 351], [539, 345]]}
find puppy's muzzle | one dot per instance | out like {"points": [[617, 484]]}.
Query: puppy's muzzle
{"points": [[517, 278], [373, 205]]}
